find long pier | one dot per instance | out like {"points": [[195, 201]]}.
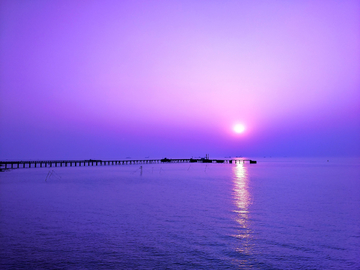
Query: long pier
{"points": [[4, 165]]}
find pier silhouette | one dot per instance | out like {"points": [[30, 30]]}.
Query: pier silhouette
{"points": [[4, 165]]}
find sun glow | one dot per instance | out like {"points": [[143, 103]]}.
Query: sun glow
{"points": [[239, 128]]}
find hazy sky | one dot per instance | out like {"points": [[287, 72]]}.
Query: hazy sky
{"points": [[112, 79]]}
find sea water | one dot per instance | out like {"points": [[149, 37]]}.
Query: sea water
{"points": [[277, 214]]}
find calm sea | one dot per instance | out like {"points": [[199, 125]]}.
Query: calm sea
{"points": [[277, 214]]}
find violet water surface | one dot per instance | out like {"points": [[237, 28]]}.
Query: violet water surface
{"points": [[277, 214]]}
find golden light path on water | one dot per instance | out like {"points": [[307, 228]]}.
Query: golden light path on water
{"points": [[242, 201]]}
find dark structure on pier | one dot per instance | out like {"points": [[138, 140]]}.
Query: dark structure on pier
{"points": [[94, 162]]}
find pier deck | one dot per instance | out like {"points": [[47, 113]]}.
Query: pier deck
{"points": [[92, 162]]}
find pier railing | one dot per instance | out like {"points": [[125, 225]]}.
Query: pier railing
{"points": [[95, 162]]}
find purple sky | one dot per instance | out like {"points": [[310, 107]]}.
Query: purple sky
{"points": [[112, 79]]}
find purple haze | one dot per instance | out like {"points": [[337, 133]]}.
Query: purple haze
{"points": [[110, 79]]}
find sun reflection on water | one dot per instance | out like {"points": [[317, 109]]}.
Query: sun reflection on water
{"points": [[242, 201]]}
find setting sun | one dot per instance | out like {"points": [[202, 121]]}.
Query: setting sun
{"points": [[239, 128]]}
